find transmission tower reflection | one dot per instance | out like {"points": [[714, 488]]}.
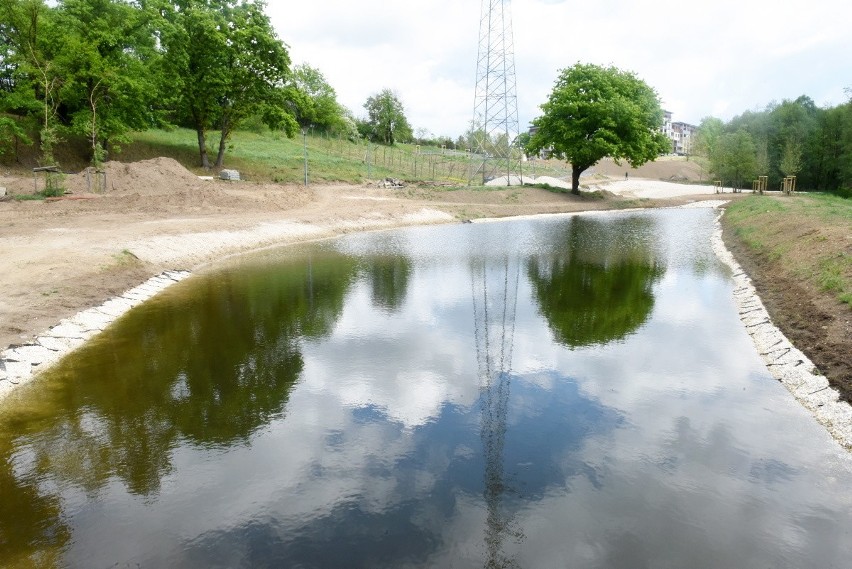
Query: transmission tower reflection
{"points": [[494, 291]]}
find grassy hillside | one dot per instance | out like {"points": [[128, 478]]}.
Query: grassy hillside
{"points": [[274, 157], [269, 156]]}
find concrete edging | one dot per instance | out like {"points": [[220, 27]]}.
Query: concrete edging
{"points": [[19, 364], [783, 360]]}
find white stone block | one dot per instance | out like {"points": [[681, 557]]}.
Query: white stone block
{"points": [[66, 330], [61, 345], [18, 371], [33, 354]]}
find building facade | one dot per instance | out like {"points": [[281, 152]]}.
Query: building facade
{"points": [[681, 134]]}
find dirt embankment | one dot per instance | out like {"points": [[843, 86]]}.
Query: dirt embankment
{"points": [[812, 318]]}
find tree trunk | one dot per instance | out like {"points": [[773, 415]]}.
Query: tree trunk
{"points": [[223, 141], [202, 147], [575, 179]]}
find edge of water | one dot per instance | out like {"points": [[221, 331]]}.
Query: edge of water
{"points": [[19, 364], [783, 360]]}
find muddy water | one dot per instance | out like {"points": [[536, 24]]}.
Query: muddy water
{"points": [[565, 392]]}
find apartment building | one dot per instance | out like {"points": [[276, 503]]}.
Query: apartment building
{"points": [[680, 133]]}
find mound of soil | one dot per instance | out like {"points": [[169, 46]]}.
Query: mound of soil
{"points": [[146, 177]]}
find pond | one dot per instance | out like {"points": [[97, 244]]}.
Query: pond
{"points": [[568, 391]]}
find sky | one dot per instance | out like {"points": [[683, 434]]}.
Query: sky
{"points": [[704, 58]]}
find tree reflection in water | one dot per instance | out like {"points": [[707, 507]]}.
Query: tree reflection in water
{"points": [[209, 363], [597, 285], [388, 276], [32, 530]]}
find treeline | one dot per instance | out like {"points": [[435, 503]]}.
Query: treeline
{"points": [[101, 69], [791, 138]]}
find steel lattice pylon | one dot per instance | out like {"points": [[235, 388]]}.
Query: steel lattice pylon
{"points": [[495, 107]]}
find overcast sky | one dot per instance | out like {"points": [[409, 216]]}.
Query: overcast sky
{"points": [[719, 57]]}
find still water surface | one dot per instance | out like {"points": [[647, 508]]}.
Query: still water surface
{"points": [[560, 392]]}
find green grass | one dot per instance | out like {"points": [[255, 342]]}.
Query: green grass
{"points": [[809, 235], [549, 188], [40, 195], [269, 156], [28, 197]]}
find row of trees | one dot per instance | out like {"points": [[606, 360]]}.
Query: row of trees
{"points": [[791, 138], [103, 68], [596, 111]]}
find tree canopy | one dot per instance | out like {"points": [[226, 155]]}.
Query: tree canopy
{"points": [[386, 118], [99, 69], [735, 158], [313, 101], [224, 63], [594, 112], [793, 137]]}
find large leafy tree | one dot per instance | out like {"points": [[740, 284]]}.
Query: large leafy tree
{"points": [[258, 65], [313, 101], [223, 63], [386, 118], [106, 65], [31, 79], [594, 112], [735, 158], [83, 66]]}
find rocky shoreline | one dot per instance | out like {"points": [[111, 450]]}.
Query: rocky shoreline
{"points": [[21, 363], [783, 360]]}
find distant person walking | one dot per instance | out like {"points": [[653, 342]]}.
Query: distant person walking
{"points": [[625, 175]]}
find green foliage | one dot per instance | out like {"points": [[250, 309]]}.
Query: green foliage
{"points": [[30, 40], [78, 67], [734, 159], [313, 102], [223, 63], [791, 158], [386, 118], [596, 290], [108, 51], [707, 137], [594, 112], [10, 130], [793, 138]]}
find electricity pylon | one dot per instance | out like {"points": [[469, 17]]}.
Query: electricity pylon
{"points": [[495, 108]]}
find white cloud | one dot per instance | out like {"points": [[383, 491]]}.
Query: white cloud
{"points": [[704, 58]]}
